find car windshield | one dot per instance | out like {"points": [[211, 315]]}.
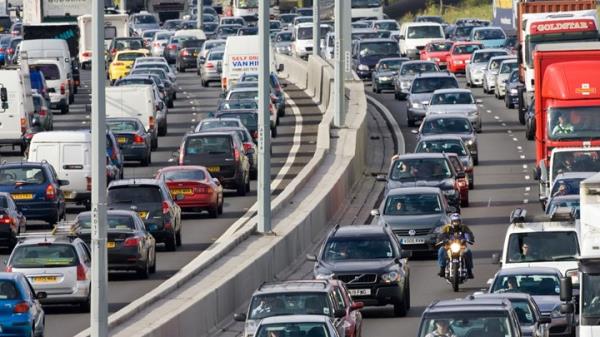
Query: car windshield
{"points": [[441, 146], [283, 37], [192, 44], [440, 46], [488, 34], [43, 255], [431, 84], [420, 169], [50, 71], [452, 98], [566, 186], [117, 126], [485, 56], [144, 19], [418, 67], [368, 248], [412, 204], [129, 44], [149, 65], [238, 104], [465, 49], [514, 75], [576, 123], [114, 221], [287, 18], [159, 72], [555, 203], [542, 246], [215, 55], [463, 31], [289, 303], [424, 32], [184, 174], [218, 124], [468, 323], [508, 67], [129, 57], [386, 25], [149, 34], [524, 311], [575, 161], [133, 81], [162, 36], [390, 64], [532, 284], [590, 307], [250, 94], [22, 176], [274, 24], [446, 125], [293, 329], [209, 27], [228, 30], [208, 145], [379, 48], [134, 194]]}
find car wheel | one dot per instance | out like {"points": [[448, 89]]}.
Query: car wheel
{"points": [[529, 132], [144, 272], [144, 162], [464, 202], [241, 189], [171, 245], [85, 306], [154, 144], [396, 96], [521, 116], [221, 206], [248, 183], [64, 109], [170, 103], [204, 83], [400, 309], [476, 160], [407, 299], [175, 96], [274, 132], [152, 268], [214, 212], [471, 182], [162, 131], [178, 238]]}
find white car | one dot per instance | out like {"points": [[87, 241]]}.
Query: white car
{"points": [[414, 36], [298, 325], [217, 123], [454, 101], [150, 59], [475, 69], [158, 44]]}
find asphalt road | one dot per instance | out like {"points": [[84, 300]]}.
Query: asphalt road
{"points": [[292, 148]]}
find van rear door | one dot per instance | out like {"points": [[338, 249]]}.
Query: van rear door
{"points": [[74, 166]]}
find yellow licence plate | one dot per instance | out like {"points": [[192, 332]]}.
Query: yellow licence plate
{"points": [[143, 214], [213, 169], [177, 191], [22, 196], [44, 279], [122, 140], [111, 244]]}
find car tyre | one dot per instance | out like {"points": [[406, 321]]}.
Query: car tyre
{"points": [[144, 272], [400, 308], [146, 161], [152, 268], [274, 132], [241, 189], [170, 104], [154, 144], [214, 212], [171, 245], [476, 159], [85, 306], [471, 182], [64, 109], [521, 116], [221, 206], [204, 83], [464, 202], [178, 238]]}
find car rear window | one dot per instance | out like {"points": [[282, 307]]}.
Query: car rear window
{"points": [[115, 221], [243, 95], [130, 194], [133, 82], [22, 176], [129, 56], [162, 36], [184, 175], [215, 56], [122, 126], [129, 44], [8, 290], [50, 71], [290, 303], [250, 120], [44, 255], [192, 44], [208, 145], [208, 125]]}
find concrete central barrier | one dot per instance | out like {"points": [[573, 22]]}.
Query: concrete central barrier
{"points": [[207, 290]]}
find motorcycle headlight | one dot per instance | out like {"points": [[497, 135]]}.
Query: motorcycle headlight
{"points": [[390, 277], [514, 91], [363, 67], [455, 247], [556, 312]]}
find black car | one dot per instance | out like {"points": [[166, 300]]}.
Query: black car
{"points": [[173, 46], [172, 24], [151, 199], [247, 142], [511, 98], [130, 245], [384, 73], [223, 155], [35, 188], [133, 140], [366, 53], [371, 263], [210, 29], [188, 53], [451, 124], [13, 221], [248, 31]]}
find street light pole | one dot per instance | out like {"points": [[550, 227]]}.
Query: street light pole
{"points": [[264, 120], [99, 305], [200, 16], [316, 29], [339, 101]]}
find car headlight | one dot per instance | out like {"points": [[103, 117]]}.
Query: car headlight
{"points": [[455, 247], [470, 142], [405, 84], [390, 277], [416, 105], [556, 312], [363, 67], [458, 62], [251, 325], [449, 192], [514, 91]]}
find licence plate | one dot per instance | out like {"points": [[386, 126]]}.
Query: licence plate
{"points": [[359, 292], [44, 279], [68, 194], [213, 169], [412, 241], [122, 140], [143, 214], [111, 244], [22, 196], [195, 54], [177, 191]]}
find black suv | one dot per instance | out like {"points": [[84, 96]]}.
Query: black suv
{"points": [[151, 199], [223, 154], [367, 53], [425, 169], [370, 261]]}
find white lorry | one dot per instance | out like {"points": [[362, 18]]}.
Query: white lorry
{"points": [[39, 11], [115, 25]]}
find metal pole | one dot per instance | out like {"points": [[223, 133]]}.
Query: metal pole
{"points": [[347, 40], [316, 29], [124, 6], [200, 16], [99, 305], [264, 117], [339, 102]]}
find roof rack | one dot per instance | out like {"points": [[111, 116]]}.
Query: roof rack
{"points": [[62, 229]]}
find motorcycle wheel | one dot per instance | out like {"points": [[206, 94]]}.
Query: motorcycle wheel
{"points": [[455, 277]]}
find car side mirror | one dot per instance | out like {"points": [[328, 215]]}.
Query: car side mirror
{"points": [[339, 313], [381, 177], [357, 306], [239, 317], [211, 114], [545, 320], [452, 209], [495, 258], [375, 212], [202, 60], [401, 37], [566, 289], [280, 67], [216, 181], [63, 182], [3, 95], [311, 257], [40, 295]]}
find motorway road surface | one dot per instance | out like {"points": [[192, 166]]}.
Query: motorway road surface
{"points": [[292, 149]]}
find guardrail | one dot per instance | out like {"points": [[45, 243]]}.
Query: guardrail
{"points": [[204, 293]]}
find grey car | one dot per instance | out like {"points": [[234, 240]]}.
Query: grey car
{"points": [[210, 68], [142, 21], [451, 124], [448, 144], [208, 46], [385, 72], [421, 91], [491, 72], [416, 215], [282, 43], [408, 71], [506, 68], [475, 68], [456, 101]]}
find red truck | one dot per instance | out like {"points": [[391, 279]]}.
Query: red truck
{"points": [[567, 109]]}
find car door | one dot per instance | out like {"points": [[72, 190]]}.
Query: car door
{"points": [[35, 306], [338, 304], [174, 210], [16, 214]]}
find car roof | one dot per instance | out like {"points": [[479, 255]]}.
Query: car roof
{"points": [[528, 270], [112, 212], [434, 74], [293, 286], [375, 40], [487, 50], [295, 319], [452, 90], [211, 132], [359, 231], [182, 167], [63, 136], [243, 89], [446, 116], [399, 58], [440, 137], [541, 226], [134, 182], [414, 190], [412, 24], [574, 175], [421, 155], [214, 119], [468, 304], [488, 27]]}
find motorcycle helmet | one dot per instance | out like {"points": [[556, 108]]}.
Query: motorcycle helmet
{"points": [[455, 220]]}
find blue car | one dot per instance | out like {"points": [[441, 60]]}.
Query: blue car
{"points": [[4, 45], [490, 37], [21, 313], [35, 189]]}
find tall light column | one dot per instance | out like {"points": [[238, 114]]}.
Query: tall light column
{"points": [[200, 16], [264, 120], [316, 28], [339, 101]]}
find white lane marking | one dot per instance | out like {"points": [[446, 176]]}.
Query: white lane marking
{"points": [[524, 166], [508, 131], [525, 201], [297, 140], [527, 177], [171, 160], [503, 124], [522, 156], [515, 139], [489, 111], [489, 202], [496, 117], [528, 188]]}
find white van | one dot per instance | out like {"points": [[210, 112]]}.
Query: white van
{"points": [[303, 39], [47, 49], [138, 101], [415, 35], [115, 25], [57, 80], [15, 119], [70, 153]]}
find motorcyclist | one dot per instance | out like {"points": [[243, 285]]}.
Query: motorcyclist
{"points": [[455, 226]]}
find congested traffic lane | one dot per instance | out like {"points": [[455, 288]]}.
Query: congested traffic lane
{"points": [[503, 181], [292, 148]]}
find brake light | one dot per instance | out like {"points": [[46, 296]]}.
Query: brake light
{"points": [[151, 122], [181, 154], [156, 44], [172, 46], [209, 65], [138, 139], [5, 220], [255, 134], [224, 80], [131, 242], [1, 50], [11, 51], [88, 185], [113, 155], [165, 207], [81, 276], [87, 54], [50, 192], [43, 112], [21, 308], [23, 125], [236, 154], [462, 183], [184, 53], [113, 51], [8, 269], [62, 89], [247, 146]]}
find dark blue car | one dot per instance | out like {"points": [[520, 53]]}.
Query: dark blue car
{"points": [[21, 313], [367, 53], [35, 189]]}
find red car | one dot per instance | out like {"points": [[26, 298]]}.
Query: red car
{"points": [[463, 183], [201, 192], [460, 54], [437, 51]]}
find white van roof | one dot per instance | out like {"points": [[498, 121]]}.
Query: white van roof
{"points": [[63, 137], [197, 33], [44, 44]]}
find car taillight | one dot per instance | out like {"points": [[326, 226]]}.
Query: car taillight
{"points": [[138, 139], [62, 89], [1, 50], [87, 54], [5, 219], [165, 207], [23, 125], [151, 122], [113, 155], [247, 146], [88, 183], [8, 269], [131, 242], [462, 183], [10, 51], [21, 308], [156, 44], [209, 65], [184, 52], [181, 155], [43, 112], [236, 154], [255, 134], [113, 51], [81, 273], [50, 192], [172, 46]]}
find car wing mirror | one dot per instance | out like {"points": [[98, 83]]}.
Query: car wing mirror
{"points": [[451, 209], [239, 317], [311, 257], [381, 177], [375, 212], [40, 295], [339, 313], [216, 181]]}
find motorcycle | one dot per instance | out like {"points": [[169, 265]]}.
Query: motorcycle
{"points": [[456, 268]]}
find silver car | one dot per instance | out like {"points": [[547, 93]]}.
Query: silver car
{"points": [[408, 71], [283, 43], [491, 72], [421, 90], [207, 46], [475, 68], [454, 101], [210, 68], [158, 44], [218, 123], [506, 67], [57, 264]]}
